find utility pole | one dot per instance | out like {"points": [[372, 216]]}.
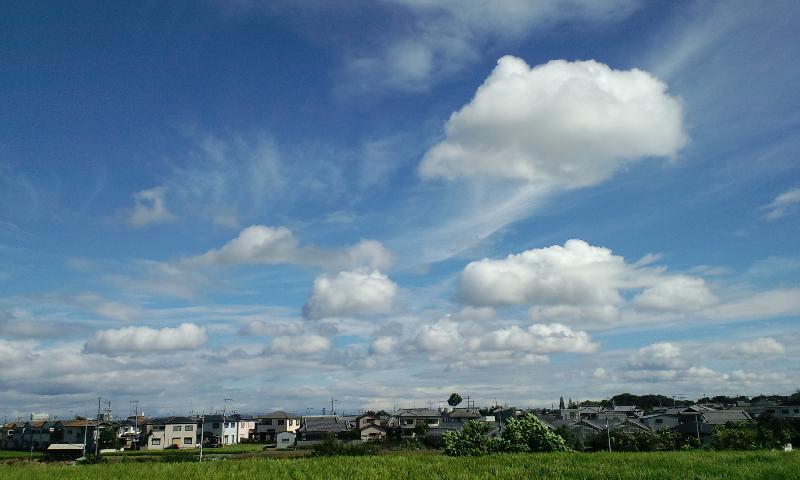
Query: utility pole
{"points": [[97, 429], [85, 431], [224, 405], [135, 424], [608, 432], [202, 424]]}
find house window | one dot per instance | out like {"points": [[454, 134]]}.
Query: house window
{"points": [[785, 412], [187, 440], [189, 428], [280, 422], [284, 440], [269, 421], [155, 441], [176, 428], [432, 421]]}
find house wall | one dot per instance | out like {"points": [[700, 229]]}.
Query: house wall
{"points": [[184, 435]]}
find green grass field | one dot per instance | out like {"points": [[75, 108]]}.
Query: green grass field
{"points": [[229, 450], [6, 454], [647, 466]]}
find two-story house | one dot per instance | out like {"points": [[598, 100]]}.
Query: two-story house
{"points": [[180, 432], [270, 425]]}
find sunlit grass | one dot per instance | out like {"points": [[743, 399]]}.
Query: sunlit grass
{"points": [[555, 466]]}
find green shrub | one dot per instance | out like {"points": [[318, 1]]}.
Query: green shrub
{"points": [[529, 434]]}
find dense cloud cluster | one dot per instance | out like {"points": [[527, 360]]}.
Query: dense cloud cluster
{"points": [[580, 282], [558, 125]]}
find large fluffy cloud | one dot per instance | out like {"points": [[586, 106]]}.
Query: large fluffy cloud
{"points": [[579, 281], [260, 244], [186, 336], [658, 356], [558, 125], [351, 293]]}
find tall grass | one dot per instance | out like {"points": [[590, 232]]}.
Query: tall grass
{"points": [[549, 466]]}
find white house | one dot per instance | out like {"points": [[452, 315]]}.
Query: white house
{"points": [[221, 432], [166, 432]]}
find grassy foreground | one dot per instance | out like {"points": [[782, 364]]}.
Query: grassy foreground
{"points": [[5, 454], [667, 465]]}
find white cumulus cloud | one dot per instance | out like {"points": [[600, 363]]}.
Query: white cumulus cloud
{"points": [[658, 356], [558, 125], [351, 293], [186, 336], [676, 293], [579, 282], [261, 244]]}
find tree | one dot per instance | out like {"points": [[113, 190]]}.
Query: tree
{"points": [[472, 440], [734, 437], [420, 430], [454, 399], [108, 438], [561, 403], [529, 434]]}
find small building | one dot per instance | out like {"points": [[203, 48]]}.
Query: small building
{"points": [[319, 427], [409, 418], [268, 426], [220, 430], [65, 451], [173, 432], [372, 432], [285, 440]]}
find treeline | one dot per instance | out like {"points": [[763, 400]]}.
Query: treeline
{"points": [[530, 434], [650, 402]]}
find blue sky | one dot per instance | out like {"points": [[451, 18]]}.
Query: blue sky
{"points": [[385, 202]]}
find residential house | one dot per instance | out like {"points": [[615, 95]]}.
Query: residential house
{"points": [[7, 435], [75, 431], [372, 432], [667, 418], [409, 418], [315, 428], [370, 418], [219, 430], [180, 432], [270, 425], [128, 432], [246, 429], [461, 415], [775, 411], [700, 422]]}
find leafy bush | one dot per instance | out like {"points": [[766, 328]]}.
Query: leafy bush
{"points": [[529, 434], [734, 437], [472, 440]]}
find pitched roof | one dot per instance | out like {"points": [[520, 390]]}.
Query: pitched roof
{"points": [[418, 412], [278, 414], [721, 417], [464, 414], [79, 422], [328, 423], [170, 421]]}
